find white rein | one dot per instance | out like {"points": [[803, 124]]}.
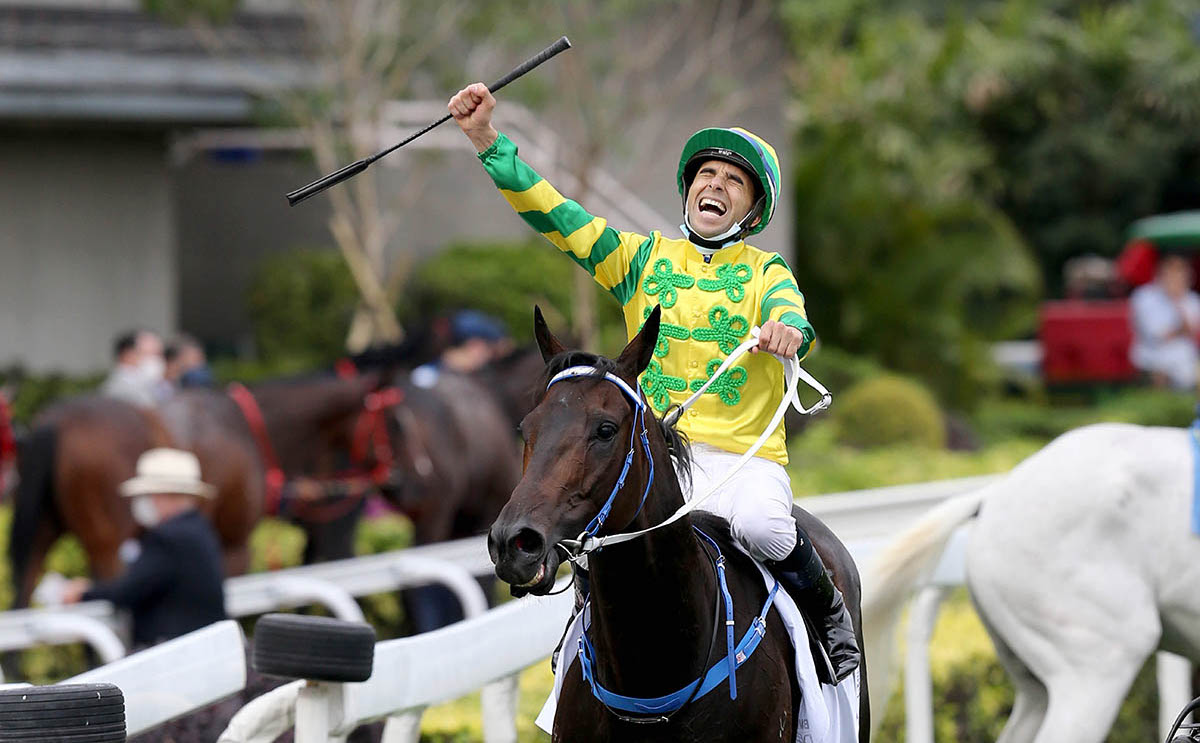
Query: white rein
{"points": [[792, 372]]}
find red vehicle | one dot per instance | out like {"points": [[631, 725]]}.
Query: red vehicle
{"points": [[1087, 340]]}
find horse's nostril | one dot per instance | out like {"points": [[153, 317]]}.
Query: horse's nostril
{"points": [[529, 542]]}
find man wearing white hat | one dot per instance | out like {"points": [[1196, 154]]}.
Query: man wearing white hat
{"points": [[175, 584]]}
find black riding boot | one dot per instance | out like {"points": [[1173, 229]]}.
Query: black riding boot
{"points": [[582, 586], [804, 577]]}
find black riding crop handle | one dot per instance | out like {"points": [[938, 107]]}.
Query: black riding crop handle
{"points": [[354, 168]]}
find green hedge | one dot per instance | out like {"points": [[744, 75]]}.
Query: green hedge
{"points": [[887, 410], [301, 303], [507, 280], [35, 391], [999, 420]]}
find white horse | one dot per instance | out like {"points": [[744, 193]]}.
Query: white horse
{"points": [[1081, 563]]}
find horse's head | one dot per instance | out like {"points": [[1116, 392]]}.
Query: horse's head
{"points": [[576, 441]]}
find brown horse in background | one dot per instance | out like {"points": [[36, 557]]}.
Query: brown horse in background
{"points": [[79, 450], [70, 464]]}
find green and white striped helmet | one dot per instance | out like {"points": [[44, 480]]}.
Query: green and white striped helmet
{"points": [[742, 148]]}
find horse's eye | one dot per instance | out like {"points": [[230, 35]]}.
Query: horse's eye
{"points": [[605, 431]]}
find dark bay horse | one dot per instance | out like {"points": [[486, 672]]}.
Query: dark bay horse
{"points": [[652, 599], [302, 449]]}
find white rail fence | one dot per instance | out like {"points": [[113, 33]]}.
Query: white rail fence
{"points": [[490, 648], [333, 585], [176, 677], [413, 673]]}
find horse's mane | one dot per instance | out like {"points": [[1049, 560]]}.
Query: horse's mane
{"points": [[678, 445]]}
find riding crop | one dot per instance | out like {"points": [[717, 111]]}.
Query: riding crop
{"points": [[354, 168]]}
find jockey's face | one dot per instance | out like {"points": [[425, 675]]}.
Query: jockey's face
{"points": [[721, 194]]}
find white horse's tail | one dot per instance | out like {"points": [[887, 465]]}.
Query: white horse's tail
{"points": [[890, 579]]}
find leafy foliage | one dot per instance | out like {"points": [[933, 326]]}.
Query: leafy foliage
{"points": [[32, 392], [301, 303], [889, 410], [506, 280], [1091, 118], [900, 253], [940, 148]]}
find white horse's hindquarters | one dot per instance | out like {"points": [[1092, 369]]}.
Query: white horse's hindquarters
{"points": [[1067, 565]]}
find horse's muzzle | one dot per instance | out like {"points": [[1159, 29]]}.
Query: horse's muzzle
{"points": [[523, 558]]}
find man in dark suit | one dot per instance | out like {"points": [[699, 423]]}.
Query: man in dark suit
{"points": [[175, 584]]}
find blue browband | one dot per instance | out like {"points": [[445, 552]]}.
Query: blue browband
{"points": [[639, 420], [735, 656]]}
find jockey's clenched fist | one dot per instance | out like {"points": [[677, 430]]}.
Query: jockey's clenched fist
{"points": [[777, 338], [472, 108]]}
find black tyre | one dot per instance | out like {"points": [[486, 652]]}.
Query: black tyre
{"points": [[317, 648], [68, 713]]}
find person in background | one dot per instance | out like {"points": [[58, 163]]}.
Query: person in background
{"points": [[175, 585], [1165, 317], [475, 340], [187, 365], [137, 375]]}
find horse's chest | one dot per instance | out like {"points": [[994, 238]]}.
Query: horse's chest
{"points": [[762, 713]]}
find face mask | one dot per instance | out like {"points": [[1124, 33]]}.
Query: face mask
{"points": [[144, 512], [152, 368]]}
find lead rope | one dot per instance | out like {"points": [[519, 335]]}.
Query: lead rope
{"points": [[792, 372]]}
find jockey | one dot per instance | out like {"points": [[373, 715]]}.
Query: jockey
{"points": [[712, 287]]}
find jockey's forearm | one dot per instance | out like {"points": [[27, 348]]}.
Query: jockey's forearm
{"points": [[602, 251], [784, 303]]}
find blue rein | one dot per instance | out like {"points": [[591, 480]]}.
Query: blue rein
{"points": [[723, 669]]}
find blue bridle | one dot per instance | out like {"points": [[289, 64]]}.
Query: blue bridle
{"points": [[639, 421], [724, 669]]}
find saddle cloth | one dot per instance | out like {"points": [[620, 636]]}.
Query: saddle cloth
{"points": [[827, 714]]}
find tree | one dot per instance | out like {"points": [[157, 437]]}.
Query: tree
{"points": [[360, 55], [901, 251], [1093, 119]]}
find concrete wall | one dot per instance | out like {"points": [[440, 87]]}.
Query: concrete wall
{"points": [[86, 245]]}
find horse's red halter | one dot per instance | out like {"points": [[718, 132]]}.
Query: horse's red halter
{"points": [[8, 443], [370, 436]]}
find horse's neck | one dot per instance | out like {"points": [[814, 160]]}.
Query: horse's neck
{"points": [[294, 417], [652, 598]]}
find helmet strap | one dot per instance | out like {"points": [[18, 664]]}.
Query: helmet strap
{"points": [[735, 234]]}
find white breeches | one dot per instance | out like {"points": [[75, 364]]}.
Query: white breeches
{"points": [[757, 501]]}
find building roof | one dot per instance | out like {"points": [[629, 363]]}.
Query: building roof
{"points": [[109, 60]]}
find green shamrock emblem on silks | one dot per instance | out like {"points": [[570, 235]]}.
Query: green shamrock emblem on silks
{"points": [[730, 279], [726, 386], [656, 385], [727, 330], [664, 282], [665, 331]]}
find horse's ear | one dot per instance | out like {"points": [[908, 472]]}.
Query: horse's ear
{"points": [[549, 345], [636, 356]]}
